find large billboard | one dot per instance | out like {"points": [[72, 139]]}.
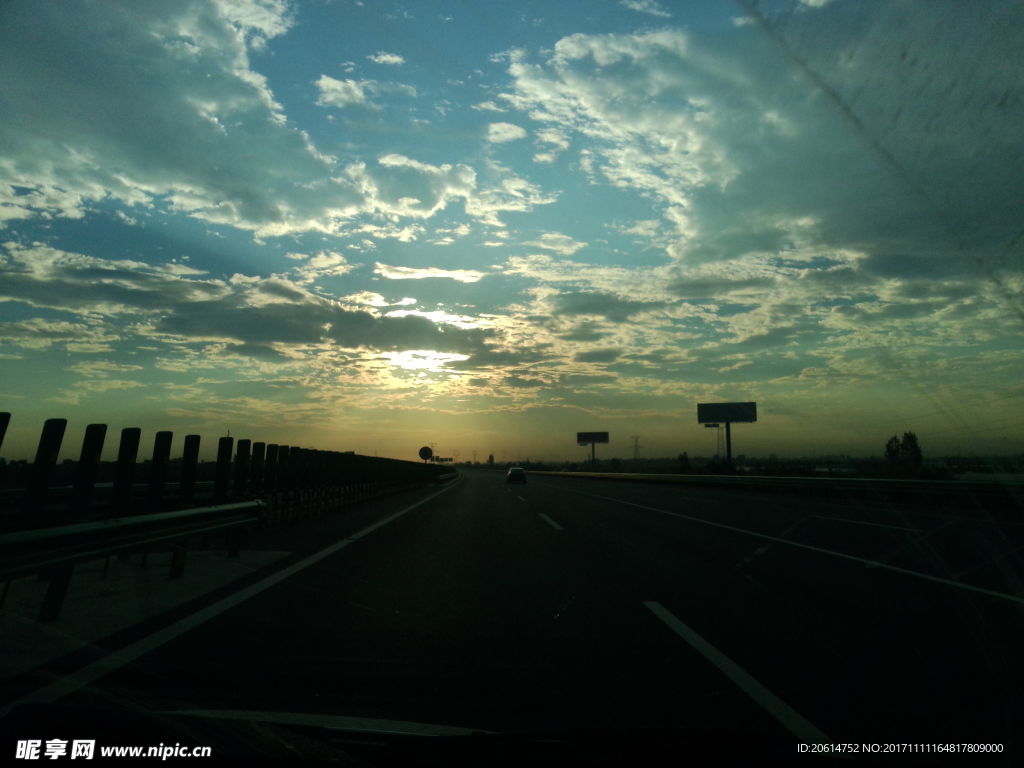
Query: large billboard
{"points": [[585, 438], [726, 412]]}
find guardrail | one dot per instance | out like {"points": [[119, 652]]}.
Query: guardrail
{"points": [[59, 515], [47, 494], [54, 552]]}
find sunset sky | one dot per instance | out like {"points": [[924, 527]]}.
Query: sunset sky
{"points": [[374, 225]]}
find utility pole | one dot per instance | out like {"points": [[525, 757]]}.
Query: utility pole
{"points": [[636, 446]]}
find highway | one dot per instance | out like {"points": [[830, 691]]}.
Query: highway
{"points": [[568, 603]]}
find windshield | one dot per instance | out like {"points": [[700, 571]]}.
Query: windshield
{"points": [[735, 285]]}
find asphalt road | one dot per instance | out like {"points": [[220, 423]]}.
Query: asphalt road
{"points": [[568, 603]]}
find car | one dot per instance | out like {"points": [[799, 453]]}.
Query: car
{"points": [[516, 475]]}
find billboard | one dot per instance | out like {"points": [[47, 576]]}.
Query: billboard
{"points": [[591, 437], [727, 412]]}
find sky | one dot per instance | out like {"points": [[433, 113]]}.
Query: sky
{"points": [[372, 225]]}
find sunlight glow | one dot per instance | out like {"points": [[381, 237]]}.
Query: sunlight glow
{"points": [[422, 359]]}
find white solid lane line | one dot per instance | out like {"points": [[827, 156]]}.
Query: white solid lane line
{"points": [[821, 550], [129, 653], [520, 498], [799, 726], [864, 522], [550, 522]]}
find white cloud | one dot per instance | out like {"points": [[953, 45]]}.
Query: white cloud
{"points": [[488, 106], [505, 191], [420, 273], [647, 6], [391, 59], [339, 93], [399, 185], [498, 133], [557, 242], [321, 264], [206, 137], [348, 92]]}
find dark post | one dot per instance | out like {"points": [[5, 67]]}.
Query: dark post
{"points": [[127, 452], [189, 466], [242, 468], [296, 468], [223, 471], [283, 468], [5, 419], [88, 466], [59, 579], [270, 469], [593, 456], [256, 476], [46, 458], [158, 470], [728, 442]]}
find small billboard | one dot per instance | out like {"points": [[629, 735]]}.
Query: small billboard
{"points": [[708, 413], [585, 438]]}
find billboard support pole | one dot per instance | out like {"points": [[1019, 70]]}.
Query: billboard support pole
{"points": [[728, 442]]}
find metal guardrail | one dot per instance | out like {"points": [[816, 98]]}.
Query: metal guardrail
{"points": [[54, 552], [60, 515]]}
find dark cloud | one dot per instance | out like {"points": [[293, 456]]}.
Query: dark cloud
{"points": [[261, 351], [70, 282], [711, 288], [608, 355], [584, 332], [773, 338], [491, 357], [518, 382], [603, 304], [361, 329]]}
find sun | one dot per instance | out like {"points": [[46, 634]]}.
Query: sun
{"points": [[422, 359]]}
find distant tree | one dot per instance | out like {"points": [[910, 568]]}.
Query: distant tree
{"points": [[910, 451], [684, 462], [892, 450], [490, 460], [904, 454]]}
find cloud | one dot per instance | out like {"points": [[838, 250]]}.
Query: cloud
{"points": [[557, 242], [741, 161], [42, 276], [321, 264], [340, 93], [609, 355], [488, 106], [649, 7], [39, 333], [402, 186], [419, 273], [154, 104], [157, 106], [349, 92], [499, 133], [505, 191], [391, 59], [602, 304]]}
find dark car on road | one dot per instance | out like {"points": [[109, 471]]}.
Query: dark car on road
{"points": [[516, 475]]}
